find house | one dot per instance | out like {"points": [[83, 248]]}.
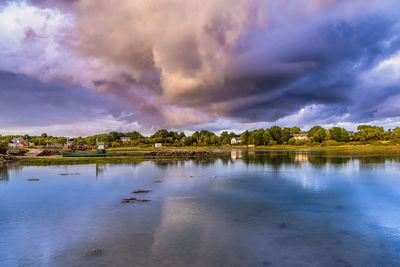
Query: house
{"points": [[183, 139], [101, 146], [54, 146], [18, 140], [300, 136], [15, 145], [236, 140], [157, 145], [125, 139], [351, 133], [69, 144]]}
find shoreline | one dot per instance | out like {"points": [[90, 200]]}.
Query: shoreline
{"points": [[179, 153]]}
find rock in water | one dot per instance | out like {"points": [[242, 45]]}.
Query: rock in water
{"points": [[141, 192]]}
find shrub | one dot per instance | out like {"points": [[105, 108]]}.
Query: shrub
{"points": [[331, 143], [3, 147]]}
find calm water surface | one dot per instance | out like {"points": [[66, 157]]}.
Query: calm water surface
{"points": [[259, 208]]}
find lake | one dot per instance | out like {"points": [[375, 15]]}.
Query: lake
{"points": [[249, 208]]}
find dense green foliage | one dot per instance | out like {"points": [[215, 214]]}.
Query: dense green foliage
{"points": [[3, 147], [260, 137]]}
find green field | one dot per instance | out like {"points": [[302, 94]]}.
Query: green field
{"points": [[71, 161]]}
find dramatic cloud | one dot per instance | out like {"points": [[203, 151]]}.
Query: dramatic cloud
{"points": [[220, 64], [253, 61]]}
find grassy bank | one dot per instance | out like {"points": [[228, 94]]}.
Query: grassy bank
{"points": [[71, 161], [137, 148], [345, 147]]}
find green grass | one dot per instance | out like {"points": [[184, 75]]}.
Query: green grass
{"points": [[382, 146], [136, 148], [71, 161]]}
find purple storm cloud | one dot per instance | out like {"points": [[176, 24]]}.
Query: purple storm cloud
{"points": [[189, 64]]}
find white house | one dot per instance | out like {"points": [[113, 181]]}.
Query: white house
{"points": [[125, 139], [300, 136], [69, 144], [157, 145], [16, 145], [236, 140], [18, 140]]}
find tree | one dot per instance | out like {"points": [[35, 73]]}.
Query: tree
{"points": [[338, 134], [367, 133], [295, 130], [256, 137], [276, 133], [267, 137], [244, 137], [225, 139], [3, 147], [285, 136], [317, 133]]}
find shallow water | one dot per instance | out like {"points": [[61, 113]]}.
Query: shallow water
{"points": [[264, 208]]}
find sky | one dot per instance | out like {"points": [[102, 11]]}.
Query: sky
{"points": [[80, 67]]}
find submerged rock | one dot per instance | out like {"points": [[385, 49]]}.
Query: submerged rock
{"points": [[133, 199], [95, 252], [141, 192], [339, 206], [179, 154], [158, 181], [284, 224], [33, 180], [74, 173]]}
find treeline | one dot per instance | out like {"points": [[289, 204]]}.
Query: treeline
{"points": [[261, 137]]}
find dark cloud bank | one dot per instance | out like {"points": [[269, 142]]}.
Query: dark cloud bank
{"points": [[256, 61]]}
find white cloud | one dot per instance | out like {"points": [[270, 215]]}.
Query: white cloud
{"points": [[82, 128]]}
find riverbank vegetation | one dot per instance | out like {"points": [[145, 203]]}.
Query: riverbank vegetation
{"points": [[271, 137], [71, 161]]}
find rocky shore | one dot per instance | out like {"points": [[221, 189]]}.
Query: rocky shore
{"points": [[6, 158], [179, 154]]}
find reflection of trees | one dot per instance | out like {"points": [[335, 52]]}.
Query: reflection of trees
{"points": [[99, 169], [320, 161], [3, 173], [370, 161], [6, 168], [278, 158]]}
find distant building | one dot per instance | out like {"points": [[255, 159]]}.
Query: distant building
{"points": [[236, 140], [125, 139], [69, 144], [54, 146], [101, 145], [15, 145], [18, 140], [251, 146], [183, 139], [300, 136], [351, 133], [157, 145]]}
